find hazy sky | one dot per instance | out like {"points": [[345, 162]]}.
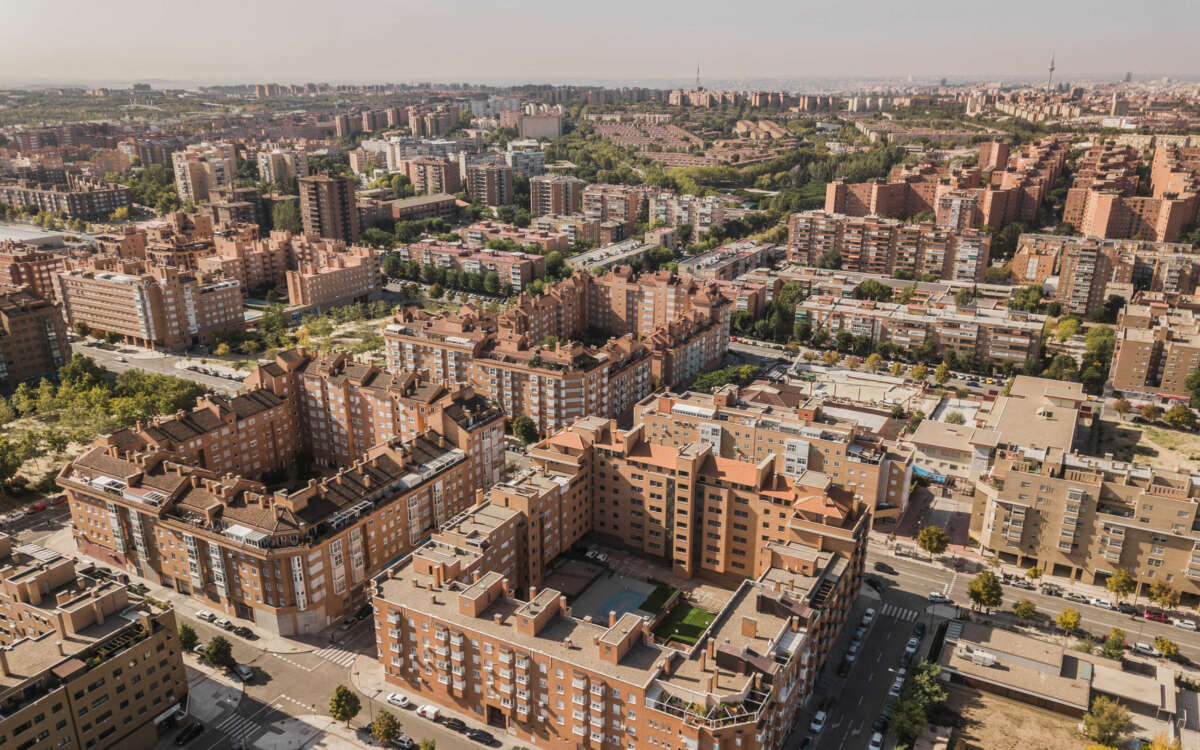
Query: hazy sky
{"points": [[475, 40]]}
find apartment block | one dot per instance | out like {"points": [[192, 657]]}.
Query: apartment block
{"points": [[432, 175], [622, 301], [295, 560], [328, 207], [280, 165], [418, 207], [617, 203], [555, 195], [701, 213], [149, 305], [889, 247], [201, 167], [84, 663], [33, 339], [80, 198], [1157, 347], [727, 262], [489, 183], [28, 266], [799, 433], [334, 274], [239, 254], [481, 231], [514, 268], [529, 162], [578, 228], [618, 686], [998, 334]]}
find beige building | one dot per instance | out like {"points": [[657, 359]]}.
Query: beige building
{"points": [[328, 207], [202, 167], [334, 274], [1157, 348], [82, 662]]}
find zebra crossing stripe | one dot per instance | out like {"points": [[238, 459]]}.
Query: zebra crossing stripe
{"points": [[339, 656], [238, 725]]}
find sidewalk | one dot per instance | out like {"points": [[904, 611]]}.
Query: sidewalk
{"points": [[368, 678], [185, 606]]}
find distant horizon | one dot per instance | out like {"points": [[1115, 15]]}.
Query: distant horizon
{"points": [[77, 42]]}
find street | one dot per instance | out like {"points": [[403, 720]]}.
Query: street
{"points": [[141, 359]]}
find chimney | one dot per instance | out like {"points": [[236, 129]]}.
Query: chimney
{"points": [[704, 660], [712, 682], [4, 661], [98, 611], [612, 618], [59, 644], [498, 618], [532, 593], [711, 647]]}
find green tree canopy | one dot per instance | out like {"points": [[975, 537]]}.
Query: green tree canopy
{"points": [[984, 590], [525, 430], [344, 705], [187, 637], [219, 652], [1121, 583], [1108, 722], [933, 539]]}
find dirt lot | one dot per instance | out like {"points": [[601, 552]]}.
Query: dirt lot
{"points": [[995, 723], [1155, 445]]}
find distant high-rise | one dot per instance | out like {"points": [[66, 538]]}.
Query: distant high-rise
{"points": [[1128, 76], [328, 208], [1050, 77]]}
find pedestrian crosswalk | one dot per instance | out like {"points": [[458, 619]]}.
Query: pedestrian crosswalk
{"points": [[238, 726], [339, 656], [904, 614]]}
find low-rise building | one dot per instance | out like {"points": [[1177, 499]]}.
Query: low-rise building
{"points": [[80, 198], [514, 268], [480, 232]]}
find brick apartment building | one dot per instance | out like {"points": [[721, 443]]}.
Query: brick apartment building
{"points": [[482, 231], [1157, 347], [616, 203], [202, 167], [489, 183], [555, 195], [555, 680], [701, 213], [33, 338], [959, 197], [978, 334], [80, 198], [418, 207], [889, 247], [180, 501], [83, 663], [149, 305], [729, 261], [517, 269], [328, 208], [26, 265], [280, 165], [799, 432], [432, 175], [332, 274]]}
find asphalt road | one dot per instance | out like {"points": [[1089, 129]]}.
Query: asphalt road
{"points": [[164, 365]]}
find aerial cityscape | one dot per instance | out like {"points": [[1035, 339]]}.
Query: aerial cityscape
{"points": [[462, 375]]}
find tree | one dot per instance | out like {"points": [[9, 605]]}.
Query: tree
{"points": [[219, 652], [1122, 406], [829, 259], [286, 216], [1181, 417], [874, 362], [1067, 621], [955, 417], [83, 329], [428, 745], [385, 727], [436, 291], [1166, 646], [344, 705], [525, 430], [1108, 722], [1114, 644], [919, 372], [897, 369], [1152, 413], [222, 350], [187, 637], [392, 267], [1161, 593], [1067, 328], [942, 373], [491, 283], [1160, 742], [985, 590], [1025, 610], [1033, 573], [831, 358], [1121, 583], [1192, 383], [934, 540]]}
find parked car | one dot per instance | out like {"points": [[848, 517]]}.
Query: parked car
{"points": [[1073, 597], [58, 499], [1146, 649], [429, 712], [458, 725], [120, 359], [883, 567], [1101, 603], [1049, 589], [897, 685], [868, 616], [37, 507], [1156, 615], [347, 624], [1021, 583], [482, 737], [919, 630], [854, 646], [404, 742], [938, 597], [818, 722], [189, 733], [1186, 624], [399, 699], [221, 622], [205, 615], [873, 582], [913, 644], [200, 649], [362, 612], [243, 631], [1126, 608], [876, 742], [245, 671]]}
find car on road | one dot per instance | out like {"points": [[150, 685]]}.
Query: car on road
{"points": [[120, 359], [222, 623], [429, 712], [818, 722], [399, 699], [897, 685], [200, 649], [1126, 608], [404, 742], [243, 631], [1146, 649], [1096, 601], [938, 597], [876, 742], [189, 733], [1073, 597], [58, 499], [348, 623], [362, 612], [1185, 624], [245, 671], [205, 615], [883, 567], [482, 737], [868, 616], [919, 630], [458, 725], [1156, 615], [37, 507], [911, 648]]}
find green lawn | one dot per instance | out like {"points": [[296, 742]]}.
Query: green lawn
{"points": [[684, 623], [657, 599]]}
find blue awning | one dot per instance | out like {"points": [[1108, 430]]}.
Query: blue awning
{"points": [[931, 476]]}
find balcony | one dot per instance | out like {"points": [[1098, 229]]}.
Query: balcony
{"points": [[506, 657]]}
